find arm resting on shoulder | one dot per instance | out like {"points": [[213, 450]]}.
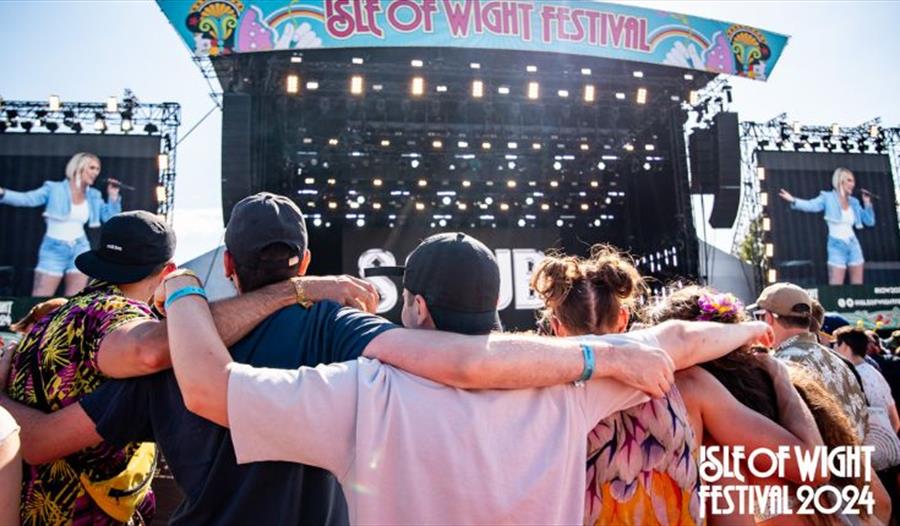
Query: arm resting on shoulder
{"points": [[692, 342], [49, 436], [142, 347]]}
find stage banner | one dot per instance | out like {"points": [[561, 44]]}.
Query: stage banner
{"points": [[872, 306], [578, 27]]}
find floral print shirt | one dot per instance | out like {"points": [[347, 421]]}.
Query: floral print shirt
{"points": [[54, 366], [834, 372]]}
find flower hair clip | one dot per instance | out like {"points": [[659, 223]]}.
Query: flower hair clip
{"points": [[719, 307]]}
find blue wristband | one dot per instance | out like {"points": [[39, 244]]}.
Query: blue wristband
{"points": [[182, 292], [588, 353]]}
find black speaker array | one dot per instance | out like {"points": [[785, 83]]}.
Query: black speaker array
{"points": [[716, 167]]}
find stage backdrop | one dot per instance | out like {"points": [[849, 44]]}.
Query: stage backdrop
{"points": [[579, 27], [517, 252], [800, 238], [27, 160]]}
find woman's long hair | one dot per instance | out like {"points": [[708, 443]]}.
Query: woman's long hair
{"points": [[739, 371]]}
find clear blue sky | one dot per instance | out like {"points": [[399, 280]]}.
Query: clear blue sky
{"points": [[840, 66]]}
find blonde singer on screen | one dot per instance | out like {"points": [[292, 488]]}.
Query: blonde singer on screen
{"points": [[843, 213]]}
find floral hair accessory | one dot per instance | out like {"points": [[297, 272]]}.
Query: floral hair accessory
{"points": [[719, 307]]}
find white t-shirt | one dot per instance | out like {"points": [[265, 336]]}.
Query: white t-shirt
{"points": [[410, 451], [72, 227], [842, 229], [8, 425]]}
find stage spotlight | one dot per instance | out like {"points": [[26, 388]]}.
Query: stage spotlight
{"points": [[54, 103], [446, 200], [531, 69], [772, 275], [377, 182], [332, 142], [511, 165], [535, 146], [642, 96], [358, 61], [766, 224], [596, 222], [360, 222], [441, 89], [764, 198], [475, 65], [416, 63], [489, 200], [545, 207], [356, 85], [377, 87], [112, 105], [629, 147], [638, 74], [511, 183], [462, 144], [317, 222], [760, 173], [647, 166], [126, 125], [466, 184], [601, 165], [461, 205], [554, 184], [563, 93], [589, 93], [486, 145], [620, 96], [309, 180], [385, 142], [332, 205], [585, 207], [559, 222], [585, 71], [533, 90], [694, 98], [649, 147], [312, 85], [770, 250], [162, 160], [161, 194], [442, 223], [504, 207], [503, 90], [477, 89], [417, 87], [595, 184], [296, 59], [415, 164], [99, 123], [584, 147], [420, 206], [521, 222], [556, 166], [292, 84], [512, 145]]}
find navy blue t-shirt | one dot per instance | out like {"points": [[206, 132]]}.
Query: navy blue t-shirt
{"points": [[200, 453]]}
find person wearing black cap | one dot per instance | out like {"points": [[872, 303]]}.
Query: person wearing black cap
{"points": [[108, 331], [451, 282]]}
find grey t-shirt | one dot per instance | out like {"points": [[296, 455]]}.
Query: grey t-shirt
{"points": [[410, 451]]}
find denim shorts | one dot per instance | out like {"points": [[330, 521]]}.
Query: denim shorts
{"points": [[56, 257], [844, 252]]}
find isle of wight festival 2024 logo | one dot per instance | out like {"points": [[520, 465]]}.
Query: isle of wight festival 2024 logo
{"points": [[222, 27]]}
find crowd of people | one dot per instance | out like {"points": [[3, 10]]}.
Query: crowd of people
{"points": [[293, 403]]}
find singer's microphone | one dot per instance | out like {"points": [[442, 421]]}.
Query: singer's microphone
{"points": [[863, 191], [120, 184]]}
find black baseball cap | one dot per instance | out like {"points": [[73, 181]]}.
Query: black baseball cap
{"points": [[458, 277], [132, 245], [264, 219]]}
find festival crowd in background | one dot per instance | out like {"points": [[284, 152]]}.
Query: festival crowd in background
{"points": [[293, 403]]}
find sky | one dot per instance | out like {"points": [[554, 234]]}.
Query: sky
{"points": [[839, 66]]}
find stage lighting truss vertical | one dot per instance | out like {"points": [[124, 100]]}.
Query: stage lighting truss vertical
{"points": [[781, 134], [65, 117]]}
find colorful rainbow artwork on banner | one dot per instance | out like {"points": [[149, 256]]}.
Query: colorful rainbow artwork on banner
{"points": [[579, 27]]}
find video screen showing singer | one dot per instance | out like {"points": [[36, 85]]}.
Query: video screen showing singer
{"points": [[843, 214], [69, 205]]}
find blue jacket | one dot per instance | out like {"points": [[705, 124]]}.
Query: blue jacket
{"points": [[828, 201], [58, 197]]}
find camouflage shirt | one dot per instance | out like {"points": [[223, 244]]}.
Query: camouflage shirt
{"points": [[834, 372]]}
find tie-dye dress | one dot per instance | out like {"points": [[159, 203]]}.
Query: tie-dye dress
{"points": [[62, 349], [640, 468]]}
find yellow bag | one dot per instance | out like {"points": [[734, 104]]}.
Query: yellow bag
{"points": [[120, 496]]}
